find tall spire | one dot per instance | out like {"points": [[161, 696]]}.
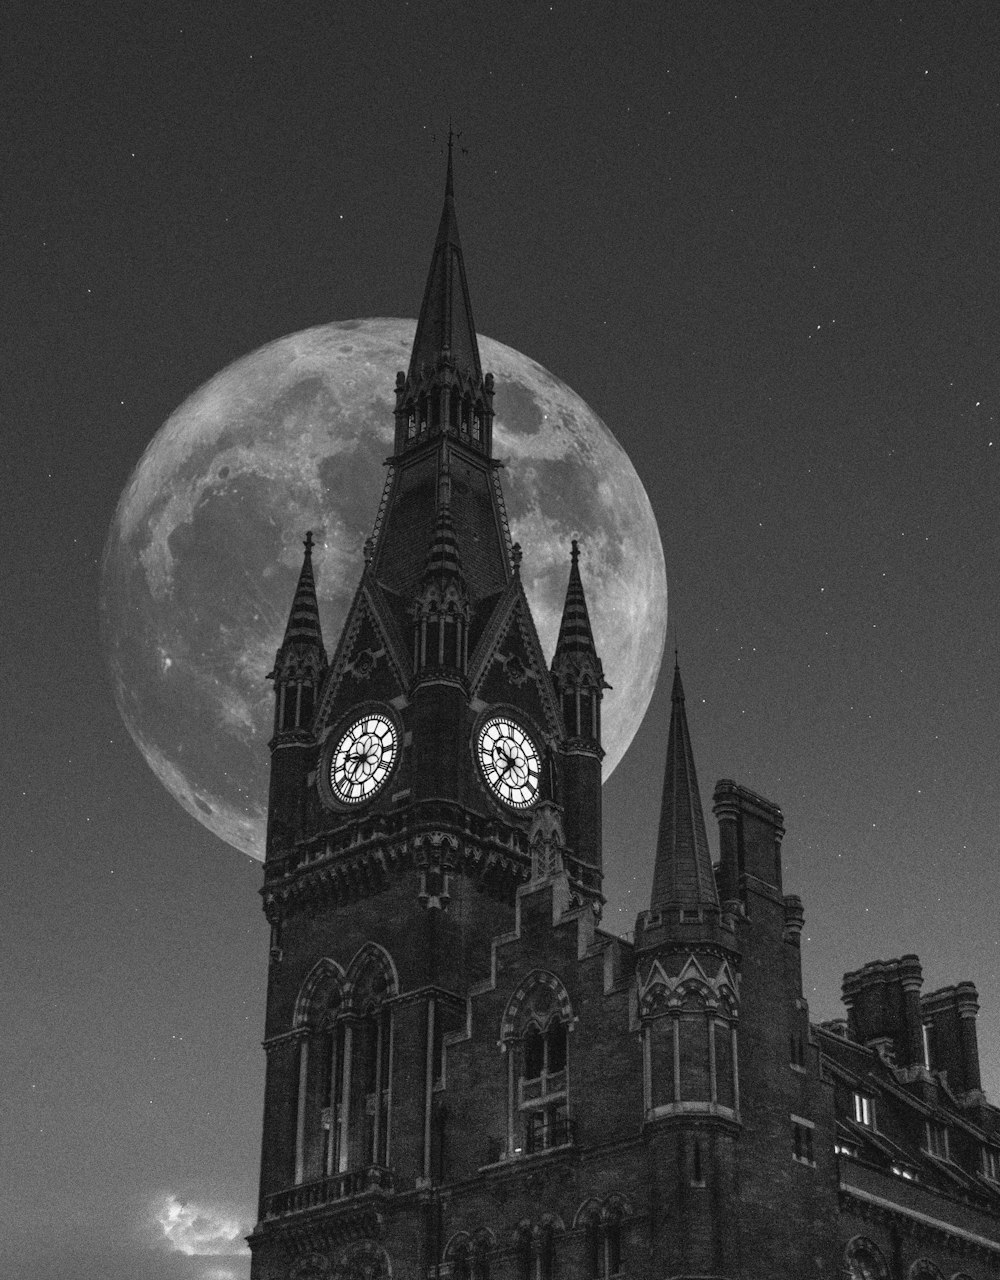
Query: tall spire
{"points": [[682, 875], [445, 329]]}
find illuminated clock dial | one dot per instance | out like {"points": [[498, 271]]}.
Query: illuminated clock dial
{"points": [[363, 758], [509, 761]]}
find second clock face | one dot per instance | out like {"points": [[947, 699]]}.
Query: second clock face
{"points": [[509, 761], [363, 758]]}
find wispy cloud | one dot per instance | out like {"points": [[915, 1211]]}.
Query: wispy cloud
{"points": [[202, 1230]]}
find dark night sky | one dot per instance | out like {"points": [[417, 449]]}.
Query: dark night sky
{"points": [[761, 240]]}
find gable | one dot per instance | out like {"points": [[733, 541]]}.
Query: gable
{"points": [[370, 663], [508, 665]]}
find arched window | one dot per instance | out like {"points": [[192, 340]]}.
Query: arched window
{"points": [[367, 1077], [345, 1066], [603, 1237], [459, 1254], [924, 1269], [612, 1224], [534, 1033], [864, 1260], [482, 1248], [317, 1011]]}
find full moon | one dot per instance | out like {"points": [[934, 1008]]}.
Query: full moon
{"points": [[205, 547]]}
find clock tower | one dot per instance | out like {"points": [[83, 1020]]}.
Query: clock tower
{"points": [[421, 778]]}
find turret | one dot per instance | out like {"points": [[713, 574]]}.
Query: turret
{"points": [[578, 678], [689, 1005]]}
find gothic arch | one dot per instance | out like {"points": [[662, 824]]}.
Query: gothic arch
{"points": [[924, 1269], [588, 1212], [371, 978], [457, 1246], [364, 1261], [320, 995], [614, 1208], [864, 1260], [540, 997]]}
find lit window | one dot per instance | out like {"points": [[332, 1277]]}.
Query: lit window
{"points": [[901, 1171], [864, 1110], [802, 1141], [937, 1139], [845, 1149], [927, 1032], [991, 1163]]}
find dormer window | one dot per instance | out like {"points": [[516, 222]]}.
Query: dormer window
{"points": [[991, 1163], [864, 1110]]}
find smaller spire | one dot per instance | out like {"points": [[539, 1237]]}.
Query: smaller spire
{"points": [[303, 621], [682, 875], [576, 669], [576, 638]]}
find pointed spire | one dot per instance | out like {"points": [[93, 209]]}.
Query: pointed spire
{"points": [[683, 874], [445, 328], [303, 621], [576, 639]]}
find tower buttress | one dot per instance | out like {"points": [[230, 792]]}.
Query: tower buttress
{"points": [[299, 667], [578, 678]]}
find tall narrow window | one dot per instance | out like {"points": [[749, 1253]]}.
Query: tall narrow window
{"points": [[546, 1254], [613, 1246], [937, 1139], [542, 1089], [535, 1034], [523, 1255], [802, 1141]]}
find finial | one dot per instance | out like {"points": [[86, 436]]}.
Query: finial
{"points": [[449, 187], [574, 551], [515, 555], [308, 542]]}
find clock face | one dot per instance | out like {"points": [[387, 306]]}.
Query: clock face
{"points": [[509, 761], [363, 758]]}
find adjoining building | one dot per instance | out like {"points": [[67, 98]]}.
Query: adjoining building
{"points": [[466, 1076]]}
